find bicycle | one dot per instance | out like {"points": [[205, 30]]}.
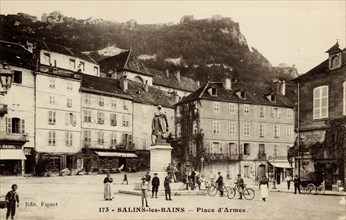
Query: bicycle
{"points": [[212, 189], [248, 193]]}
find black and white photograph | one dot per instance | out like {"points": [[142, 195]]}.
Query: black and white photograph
{"points": [[172, 109]]}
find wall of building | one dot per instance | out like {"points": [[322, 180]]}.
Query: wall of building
{"points": [[334, 80], [64, 89], [119, 106], [63, 61], [142, 117], [20, 104]]}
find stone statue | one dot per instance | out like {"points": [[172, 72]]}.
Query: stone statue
{"points": [[159, 127]]}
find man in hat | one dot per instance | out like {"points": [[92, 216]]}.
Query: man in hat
{"points": [[167, 186], [219, 182], [155, 183], [159, 126], [240, 184], [144, 191]]}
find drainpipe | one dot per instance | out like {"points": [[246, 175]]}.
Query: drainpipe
{"points": [[298, 129], [239, 135]]}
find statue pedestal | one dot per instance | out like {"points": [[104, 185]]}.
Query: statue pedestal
{"points": [[160, 157]]}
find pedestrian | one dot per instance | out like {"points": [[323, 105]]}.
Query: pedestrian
{"points": [[167, 186], [288, 179], [12, 198], [296, 182], [193, 179], [148, 178], [186, 179], [108, 192], [144, 191], [219, 182], [155, 182], [240, 184], [264, 187], [125, 179], [202, 180], [198, 180]]}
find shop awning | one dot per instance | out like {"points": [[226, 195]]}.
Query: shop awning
{"points": [[116, 154], [12, 154], [281, 164]]}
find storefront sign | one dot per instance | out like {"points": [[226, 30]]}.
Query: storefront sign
{"points": [[7, 146]]}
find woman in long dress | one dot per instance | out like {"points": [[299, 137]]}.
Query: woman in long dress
{"points": [[264, 187], [108, 193]]}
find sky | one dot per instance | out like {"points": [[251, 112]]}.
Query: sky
{"points": [[292, 32]]}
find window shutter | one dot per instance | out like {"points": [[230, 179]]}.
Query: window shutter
{"points": [[9, 125], [74, 120], [129, 139], [66, 138], [23, 126], [67, 119], [124, 138]]}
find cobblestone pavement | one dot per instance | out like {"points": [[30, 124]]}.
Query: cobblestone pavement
{"points": [[81, 197]]}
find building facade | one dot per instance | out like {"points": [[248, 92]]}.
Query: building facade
{"points": [[320, 149], [17, 111], [236, 128]]}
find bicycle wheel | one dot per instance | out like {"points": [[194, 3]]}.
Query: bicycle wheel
{"points": [[231, 193], [212, 191], [249, 193]]}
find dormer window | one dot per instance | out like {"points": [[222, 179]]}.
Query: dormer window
{"points": [[241, 94], [271, 97], [212, 91], [335, 61]]}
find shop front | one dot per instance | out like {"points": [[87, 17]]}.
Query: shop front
{"points": [[278, 169], [12, 160]]}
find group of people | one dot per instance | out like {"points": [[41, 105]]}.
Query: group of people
{"points": [[192, 178]]}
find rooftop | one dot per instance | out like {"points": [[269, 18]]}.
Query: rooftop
{"points": [[15, 54]]}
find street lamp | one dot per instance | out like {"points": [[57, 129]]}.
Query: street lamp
{"points": [[202, 161], [6, 77]]}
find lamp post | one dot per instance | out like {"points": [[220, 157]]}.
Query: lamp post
{"points": [[202, 161], [6, 77]]}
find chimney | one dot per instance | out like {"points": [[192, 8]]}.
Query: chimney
{"points": [[124, 83], [146, 86], [174, 96], [167, 73], [177, 75], [283, 87], [226, 81], [277, 84], [198, 83]]}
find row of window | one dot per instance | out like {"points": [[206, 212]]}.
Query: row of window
{"points": [[101, 102], [113, 118], [113, 138], [87, 141], [275, 112], [321, 101], [72, 63], [246, 129], [231, 149]]}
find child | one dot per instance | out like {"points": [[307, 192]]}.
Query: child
{"points": [[144, 189], [12, 198], [125, 179]]}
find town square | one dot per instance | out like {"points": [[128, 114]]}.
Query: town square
{"points": [[172, 109]]}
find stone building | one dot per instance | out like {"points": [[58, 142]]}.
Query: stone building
{"points": [[236, 127], [320, 151]]}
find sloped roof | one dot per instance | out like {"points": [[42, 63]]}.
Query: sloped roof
{"points": [[64, 50], [101, 85], [256, 93], [16, 55], [171, 81], [317, 70], [124, 61], [154, 96], [334, 49]]}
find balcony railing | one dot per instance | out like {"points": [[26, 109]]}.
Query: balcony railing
{"points": [[277, 158], [223, 156], [262, 156], [3, 109], [13, 137]]}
